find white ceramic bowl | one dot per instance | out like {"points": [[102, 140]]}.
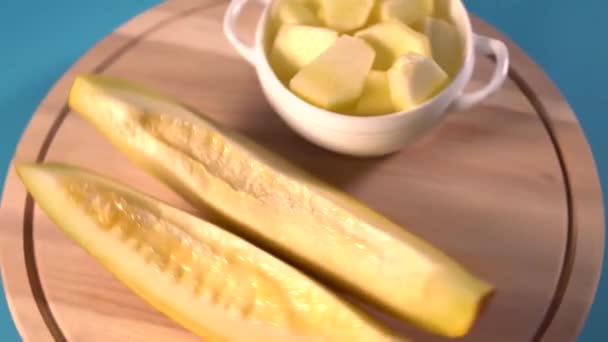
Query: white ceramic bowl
{"points": [[369, 135]]}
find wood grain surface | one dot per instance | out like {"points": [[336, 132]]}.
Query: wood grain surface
{"points": [[508, 188]]}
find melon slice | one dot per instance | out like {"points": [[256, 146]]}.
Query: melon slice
{"points": [[392, 39], [283, 208], [335, 79], [210, 281]]}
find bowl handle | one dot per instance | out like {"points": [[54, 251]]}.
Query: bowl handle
{"points": [[230, 21], [488, 47]]}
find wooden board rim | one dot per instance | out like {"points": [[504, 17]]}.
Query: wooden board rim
{"points": [[569, 171]]}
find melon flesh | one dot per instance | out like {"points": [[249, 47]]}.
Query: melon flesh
{"points": [[442, 9], [414, 79], [295, 12], [295, 46], [408, 12], [446, 44], [345, 15], [392, 39], [283, 208], [376, 98], [335, 79], [213, 283]]}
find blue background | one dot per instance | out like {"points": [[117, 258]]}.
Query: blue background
{"points": [[41, 39]]}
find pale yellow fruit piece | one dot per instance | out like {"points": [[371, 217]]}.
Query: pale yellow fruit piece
{"points": [[446, 44], [295, 12], [296, 46], [414, 79], [376, 97], [283, 208], [335, 79], [443, 9], [212, 282], [408, 12], [345, 15], [392, 39]]}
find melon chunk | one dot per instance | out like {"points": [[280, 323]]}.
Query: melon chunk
{"points": [[413, 79], [392, 39], [446, 44], [443, 9], [295, 12], [335, 79], [408, 12], [345, 15], [376, 98], [296, 46]]}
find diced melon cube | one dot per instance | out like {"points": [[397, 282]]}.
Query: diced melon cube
{"points": [[392, 39], [335, 79], [408, 12], [376, 97], [446, 44], [295, 12], [443, 9], [413, 79], [345, 15], [297, 45]]}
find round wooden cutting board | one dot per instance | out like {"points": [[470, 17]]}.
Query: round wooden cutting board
{"points": [[508, 188]]}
